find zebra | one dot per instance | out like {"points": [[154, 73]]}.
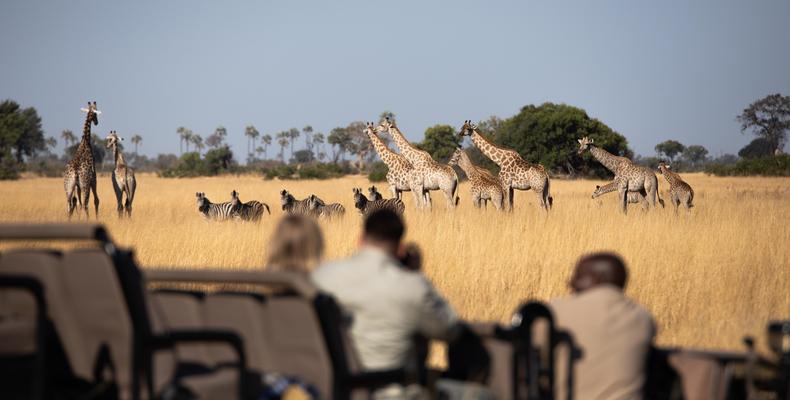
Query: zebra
{"points": [[324, 210], [366, 206], [214, 211], [292, 206], [374, 194], [249, 211]]}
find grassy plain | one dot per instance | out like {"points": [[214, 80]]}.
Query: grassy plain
{"points": [[709, 277]]}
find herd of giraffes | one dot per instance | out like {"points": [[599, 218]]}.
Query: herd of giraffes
{"points": [[414, 170]]}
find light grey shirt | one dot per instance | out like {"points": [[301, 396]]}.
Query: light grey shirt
{"points": [[388, 306]]}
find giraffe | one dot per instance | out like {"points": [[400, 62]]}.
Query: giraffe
{"points": [[679, 190], [123, 180], [434, 176], [514, 172], [483, 185], [633, 197], [630, 177], [79, 178], [401, 175]]}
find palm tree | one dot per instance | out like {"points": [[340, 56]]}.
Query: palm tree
{"points": [[188, 138], [51, 142], [282, 140], [183, 133], [251, 133], [308, 137], [198, 142], [267, 140], [293, 134], [318, 141], [259, 150], [68, 137], [136, 140], [221, 131]]}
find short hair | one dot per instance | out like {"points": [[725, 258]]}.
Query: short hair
{"points": [[609, 267], [384, 225], [296, 244]]}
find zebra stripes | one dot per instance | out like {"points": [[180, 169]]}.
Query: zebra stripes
{"points": [[292, 206], [323, 210], [366, 207], [249, 211], [214, 211]]}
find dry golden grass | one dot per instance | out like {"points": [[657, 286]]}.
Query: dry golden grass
{"points": [[709, 278]]}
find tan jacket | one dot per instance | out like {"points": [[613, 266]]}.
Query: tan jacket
{"points": [[614, 335], [388, 305]]}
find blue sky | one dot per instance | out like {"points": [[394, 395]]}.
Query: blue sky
{"points": [[652, 71]]}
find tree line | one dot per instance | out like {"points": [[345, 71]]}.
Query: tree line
{"points": [[544, 134]]}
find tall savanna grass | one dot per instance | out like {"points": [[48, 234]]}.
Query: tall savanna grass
{"points": [[709, 277]]}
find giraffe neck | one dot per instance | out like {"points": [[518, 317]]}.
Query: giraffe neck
{"points": [[496, 154], [118, 155], [86, 128], [609, 187], [466, 164], [607, 159], [405, 147], [670, 176], [386, 155]]}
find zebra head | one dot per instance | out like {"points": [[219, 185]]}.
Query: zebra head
{"points": [[286, 198], [360, 201], [202, 201], [234, 198], [314, 203]]}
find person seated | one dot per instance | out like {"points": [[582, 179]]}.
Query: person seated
{"points": [[387, 299], [613, 332], [296, 245]]}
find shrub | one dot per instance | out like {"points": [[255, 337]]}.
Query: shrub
{"points": [[378, 172], [764, 166]]}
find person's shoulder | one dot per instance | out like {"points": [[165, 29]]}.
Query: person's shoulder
{"points": [[329, 271]]}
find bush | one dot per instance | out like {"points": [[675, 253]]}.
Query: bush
{"points": [[378, 172], [189, 165], [306, 171], [763, 166]]}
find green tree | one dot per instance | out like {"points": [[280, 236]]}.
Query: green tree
{"points": [[197, 140], [695, 155], [21, 137], [97, 145], [768, 118], [440, 141], [293, 134], [282, 140], [303, 156], [340, 140], [387, 114], [182, 135], [548, 134], [670, 149], [251, 133], [759, 147], [267, 141], [219, 160], [308, 137]]}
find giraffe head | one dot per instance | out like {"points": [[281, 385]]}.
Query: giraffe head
{"points": [[662, 166], [93, 113], [371, 129], [584, 144], [597, 191], [386, 125], [467, 128], [455, 157], [113, 139]]}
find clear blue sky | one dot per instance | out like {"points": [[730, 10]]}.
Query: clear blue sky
{"points": [[667, 69]]}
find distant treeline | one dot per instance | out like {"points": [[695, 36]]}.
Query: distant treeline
{"points": [[545, 134]]}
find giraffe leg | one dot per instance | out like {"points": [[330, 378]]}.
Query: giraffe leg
{"points": [[71, 202], [510, 193], [118, 196], [449, 196], [85, 194], [132, 187], [676, 203], [623, 192], [95, 200]]}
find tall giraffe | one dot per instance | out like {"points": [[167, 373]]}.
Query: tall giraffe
{"points": [[514, 171], [123, 180], [401, 175], [630, 177], [482, 185], [434, 176], [680, 192], [80, 176]]}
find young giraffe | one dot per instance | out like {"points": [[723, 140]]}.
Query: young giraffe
{"points": [[680, 192], [633, 197], [401, 175], [434, 176], [630, 177], [514, 171], [123, 180], [79, 179], [483, 185]]}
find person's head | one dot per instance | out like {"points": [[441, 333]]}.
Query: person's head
{"points": [[296, 244], [384, 229], [597, 269]]}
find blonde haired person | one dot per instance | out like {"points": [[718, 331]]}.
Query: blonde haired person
{"points": [[296, 245]]}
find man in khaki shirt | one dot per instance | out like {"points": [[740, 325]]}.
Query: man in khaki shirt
{"points": [[613, 333], [388, 301]]}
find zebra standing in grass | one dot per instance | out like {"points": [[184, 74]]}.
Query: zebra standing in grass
{"points": [[366, 206], [374, 194], [323, 210], [214, 211], [293, 206], [249, 211]]}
